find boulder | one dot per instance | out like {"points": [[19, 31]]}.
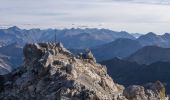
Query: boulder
{"points": [[151, 91]]}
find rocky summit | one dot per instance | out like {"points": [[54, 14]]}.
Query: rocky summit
{"points": [[51, 72], [151, 91]]}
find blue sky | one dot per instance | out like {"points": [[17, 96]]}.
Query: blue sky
{"points": [[140, 16]]}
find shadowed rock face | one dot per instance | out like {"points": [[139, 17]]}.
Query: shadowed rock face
{"points": [[150, 54], [50, 72], [10, 58]]}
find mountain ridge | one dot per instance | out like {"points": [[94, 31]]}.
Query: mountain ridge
{"points": [[51, 72], [77, 37], [126, 73], [10, 57], [150, 54], [119, 48]]}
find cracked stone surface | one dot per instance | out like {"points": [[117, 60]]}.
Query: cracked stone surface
{"points": [[51, 72]]}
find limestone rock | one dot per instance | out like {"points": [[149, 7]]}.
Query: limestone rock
{"points": [[51, 72], [151, 91]]}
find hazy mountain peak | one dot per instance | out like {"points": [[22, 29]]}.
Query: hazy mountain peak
{"points": [[152, 39], [14, 28], [166, 35], [150, 54], [137, 35], [150, 34], [121, 47]]}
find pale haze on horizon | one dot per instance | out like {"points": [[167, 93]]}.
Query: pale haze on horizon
{"points": [[135, 16]]}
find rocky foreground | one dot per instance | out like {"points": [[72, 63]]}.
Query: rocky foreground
{"points": [[50, 72]]}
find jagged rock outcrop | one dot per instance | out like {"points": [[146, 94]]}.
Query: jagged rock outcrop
{"points": [[50, 72], [151, 91]]}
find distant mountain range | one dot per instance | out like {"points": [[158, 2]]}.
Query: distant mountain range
{"points": [[104, 44], [150, 54], [146, 49], [130, 58], [71, 38], [126, 73], [156, 40], [79, 38], [119, 48], [10, 57], [93, 35]]}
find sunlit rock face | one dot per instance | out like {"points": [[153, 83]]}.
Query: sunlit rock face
{"points": [[151, 91], [51, 72]]}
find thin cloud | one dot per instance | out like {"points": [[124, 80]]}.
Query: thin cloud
{"points": [[130, 15], [161, 2]]}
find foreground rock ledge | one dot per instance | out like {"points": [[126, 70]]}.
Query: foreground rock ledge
{"points": [[51, 72]]}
